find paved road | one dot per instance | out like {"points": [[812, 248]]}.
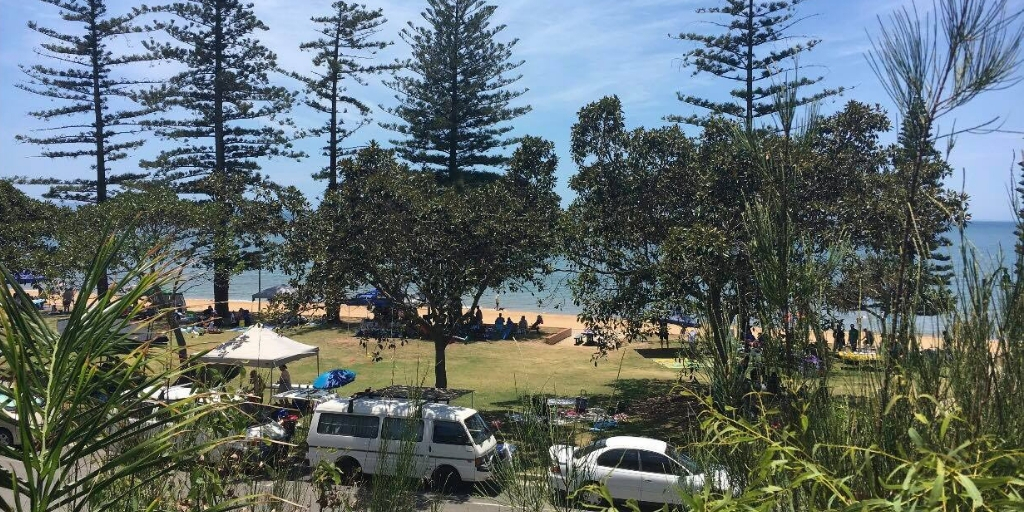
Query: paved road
{"points": [[302, 493]]}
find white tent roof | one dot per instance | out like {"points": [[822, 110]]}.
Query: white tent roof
{"points": [[260, 347]]}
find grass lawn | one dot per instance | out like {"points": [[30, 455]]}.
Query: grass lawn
{"points": [[498, 371]]}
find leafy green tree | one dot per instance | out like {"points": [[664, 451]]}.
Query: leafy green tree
{"points": [[409, 234], [146, 216], [28, 229], [455, 102], [341, 57], [752, 54], [223, 115], [85, 87]]}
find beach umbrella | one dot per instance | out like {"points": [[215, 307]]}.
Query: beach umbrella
{"points": [[334, 379], [273, 291]]}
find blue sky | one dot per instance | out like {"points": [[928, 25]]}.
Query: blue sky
{"points": [[575, 52]]}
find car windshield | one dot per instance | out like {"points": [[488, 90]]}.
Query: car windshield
{"points": [[478, 429], [588, 449], [683, 459]]}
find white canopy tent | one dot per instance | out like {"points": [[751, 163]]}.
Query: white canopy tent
{"points": [[262, 348]]}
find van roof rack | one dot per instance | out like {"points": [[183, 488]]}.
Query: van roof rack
{"points": [[438, 395]]}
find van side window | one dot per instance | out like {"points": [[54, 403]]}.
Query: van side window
{"points": [[348, 425], [450, 432], [402, 429]]}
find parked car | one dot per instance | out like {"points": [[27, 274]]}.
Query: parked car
{"points": [[9, 422], [638, 468]]}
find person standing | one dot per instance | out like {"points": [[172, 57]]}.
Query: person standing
{"points": [[497, 302], [284, 383], [840, 336], [854, 337], [256, 385], [662, 334], [68, 298]]}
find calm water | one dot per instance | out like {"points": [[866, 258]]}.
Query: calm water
{"points": [[989, 238]]}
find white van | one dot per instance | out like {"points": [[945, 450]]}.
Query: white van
{"points": [[451, 444]]}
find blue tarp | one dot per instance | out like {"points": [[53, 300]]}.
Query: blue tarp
{"points": [[682, 320], [27, 277]]}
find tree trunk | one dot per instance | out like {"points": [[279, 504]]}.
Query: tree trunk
{"points": [[221, 284], [99, 129], [332, 310], [440, 361]]}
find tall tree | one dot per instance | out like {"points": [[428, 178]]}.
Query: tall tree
{"points": [[340, 57], [407, 233], [224, 117], [89, 93], [455, 102], [84, 83], [751, 54]]}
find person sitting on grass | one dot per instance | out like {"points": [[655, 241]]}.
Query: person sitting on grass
{"points": [[499, 323], [523, 325]]}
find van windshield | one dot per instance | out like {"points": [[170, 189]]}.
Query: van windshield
{"points": [[478, 428]]}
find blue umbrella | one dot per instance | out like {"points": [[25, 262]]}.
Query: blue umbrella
{"points": [[334, 379]]}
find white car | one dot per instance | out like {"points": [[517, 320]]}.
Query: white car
{"points": [[638, 468]]}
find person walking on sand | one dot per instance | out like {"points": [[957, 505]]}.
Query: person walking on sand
{"points": [[284, 383], [497, 302]]}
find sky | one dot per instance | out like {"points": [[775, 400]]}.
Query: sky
{"points": [[574, 52]]}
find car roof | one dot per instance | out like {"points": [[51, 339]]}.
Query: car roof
{"points": [[396, 408], [640, 443]]}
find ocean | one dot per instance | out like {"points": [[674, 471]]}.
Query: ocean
{"points": [[991, 239]]}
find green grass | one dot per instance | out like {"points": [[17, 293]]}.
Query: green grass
{"points": [[498, 371]]}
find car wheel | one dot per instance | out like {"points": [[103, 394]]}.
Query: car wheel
{"points": [[350, 470], [588, 496], [6, 438], [446, 479]]}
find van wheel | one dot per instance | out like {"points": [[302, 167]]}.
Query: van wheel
{"points": [[6, 438], [446, 479], [350, 470]]}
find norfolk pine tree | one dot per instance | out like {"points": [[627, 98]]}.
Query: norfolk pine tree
{"points": [[227, 117], [751, 54], [341, 56], [102, 122], [454, 102]]}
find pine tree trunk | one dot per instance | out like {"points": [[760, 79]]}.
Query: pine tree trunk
{"points": [[221, 284]]}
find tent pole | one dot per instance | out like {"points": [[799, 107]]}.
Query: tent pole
{"points": [[318, 363]]}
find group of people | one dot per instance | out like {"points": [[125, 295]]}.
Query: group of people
{"points": [[851, 338], [504, 327], [257, 386]]}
